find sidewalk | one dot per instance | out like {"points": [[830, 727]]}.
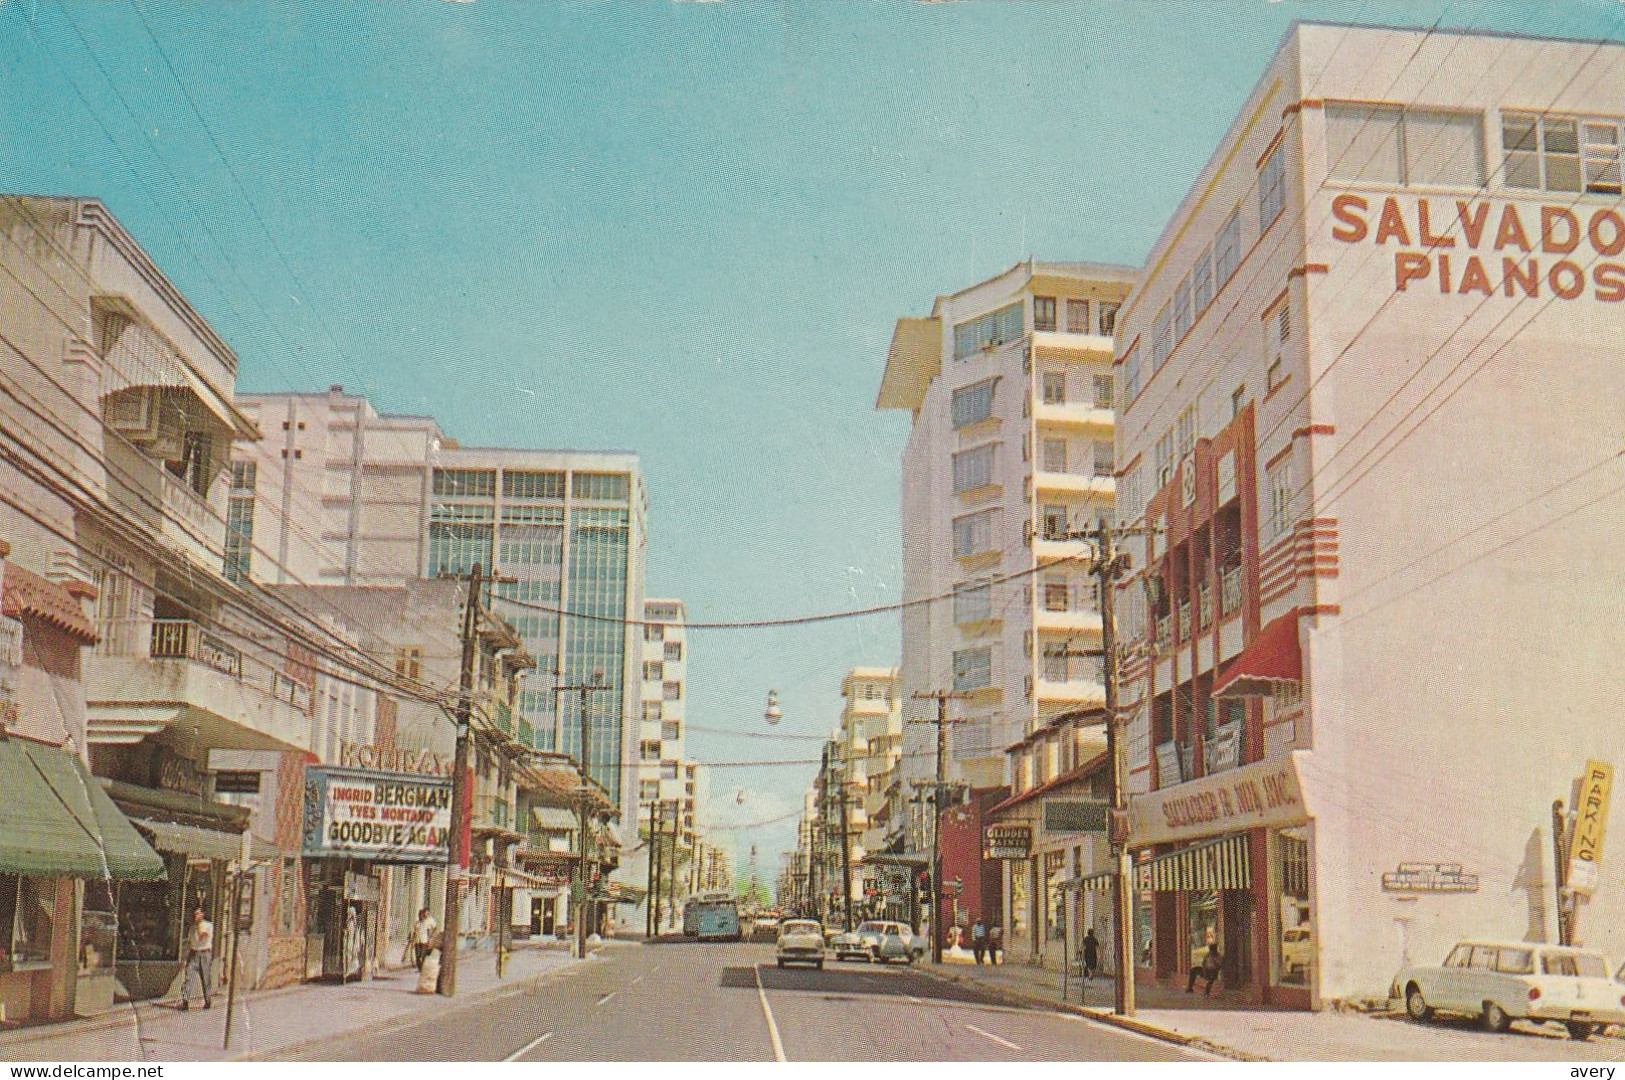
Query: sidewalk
{"points": [[1221, 1024], [273, 1020]]}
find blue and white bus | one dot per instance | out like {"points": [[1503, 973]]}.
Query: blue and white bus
{"points": [[712, 917]]}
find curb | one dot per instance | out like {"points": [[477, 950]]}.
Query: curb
{"points": [[1139, 1027]]}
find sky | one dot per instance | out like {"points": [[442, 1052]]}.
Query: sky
{"points": [[683, 229]]}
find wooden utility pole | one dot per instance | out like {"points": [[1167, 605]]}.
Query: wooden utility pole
{"points": [[582, 878], [455, 870], [846, 856], [942, 697], [649, 898]]}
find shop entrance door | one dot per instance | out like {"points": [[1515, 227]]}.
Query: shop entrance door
{"points": [[1238, 911]]}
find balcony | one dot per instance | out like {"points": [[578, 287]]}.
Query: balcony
{"points": [[1184, 620], [1230, 590], [1067, 607], [1089, 485], [1072, 692], [147, 675], [1075, 416], [1204, 606], [1165, 634], [1053, 547], [1060, 343]]}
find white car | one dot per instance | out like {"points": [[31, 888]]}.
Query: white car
{"points": [[801, 941], [1503, 981]]}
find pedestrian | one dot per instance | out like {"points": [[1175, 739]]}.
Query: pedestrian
{"points": [[995, 944], [978, 940], [1091, 954], [1208, 972], [423, 935], [429, 969], [199, 961]]}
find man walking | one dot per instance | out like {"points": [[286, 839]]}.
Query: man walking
{"points": [[1091, 954], [978, 940], [423, 935], [199, 961]]}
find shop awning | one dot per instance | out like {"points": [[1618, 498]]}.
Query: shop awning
{"points": [[554, 818], [1101, 882], [518, 879], [907, 859], [204, 843], [1216, 864], [1273, 658], [56, 821]]}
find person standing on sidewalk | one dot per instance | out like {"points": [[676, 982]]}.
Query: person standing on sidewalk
{"points": [[978, 940], [1091, 954], [199, 961], [995, 943], [423, 935]]}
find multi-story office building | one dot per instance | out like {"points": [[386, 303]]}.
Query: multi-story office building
{"points": [[871, 734], [1010, 455], [343, 495], [661, 757], [1370, 391]]}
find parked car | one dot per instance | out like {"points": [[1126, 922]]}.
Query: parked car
{"points": [[846, 945], [880, 941], [1503, 981], [801, 941]]}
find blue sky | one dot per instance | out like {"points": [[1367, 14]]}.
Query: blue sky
{"points": [[683, 229]]}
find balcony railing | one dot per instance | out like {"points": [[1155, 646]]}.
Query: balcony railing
{"points": [[181, 501], [183, 639], [1230, 590], [1165, 634], [1223, 749], [1185, 620], [1204, 606]]}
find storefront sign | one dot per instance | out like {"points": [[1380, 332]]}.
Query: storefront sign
{"points": [[1590, 824], [245, 902], [1265, 793], [1074, 816], [180, 774], [1475, 247], [390, 817], [1007, 842], [237, 782], [394, 759], [1417, 877]]}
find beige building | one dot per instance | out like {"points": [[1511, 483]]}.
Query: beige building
{"points": [[1369, 395], [1011, 453]]}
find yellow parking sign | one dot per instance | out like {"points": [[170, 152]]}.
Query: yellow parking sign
{"points": [[1590, 825]]}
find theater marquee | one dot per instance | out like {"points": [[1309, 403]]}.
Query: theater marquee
{"points": [[383, 816]]}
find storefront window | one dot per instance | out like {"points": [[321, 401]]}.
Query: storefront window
{"points": [[1296, 947], [1054, 897], [1018, 896], [26, 904], [98, 930], [148, 922]]}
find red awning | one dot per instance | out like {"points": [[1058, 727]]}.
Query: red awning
{"points": [[1273, 658]]}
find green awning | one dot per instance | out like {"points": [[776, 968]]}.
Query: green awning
{"points": [[56, 821]]}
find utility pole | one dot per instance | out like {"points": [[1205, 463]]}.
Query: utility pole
{"points": [[649, 899], [941, 785], [846, 858], [582, 879], [455, 870]]}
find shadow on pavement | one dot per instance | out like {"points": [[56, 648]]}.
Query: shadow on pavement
{"points": [[855, 981]]}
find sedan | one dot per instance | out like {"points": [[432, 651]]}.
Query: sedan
{"points": [[801, 941], [1503, 981], [880, 941]]}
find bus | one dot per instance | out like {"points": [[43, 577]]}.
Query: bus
{"points": [[712, 917]]}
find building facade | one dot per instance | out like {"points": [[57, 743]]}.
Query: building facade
{"points": [[1368, 386]]}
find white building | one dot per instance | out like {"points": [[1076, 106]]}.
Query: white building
{"points": [[1370, 391], [1010, 385]]}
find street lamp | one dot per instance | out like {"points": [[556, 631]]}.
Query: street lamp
{"points": [[773, 714]]}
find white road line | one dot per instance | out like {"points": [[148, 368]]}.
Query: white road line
{"points": [[528, 1047], [767, 1011], [637, 980], [989, 1035], [606, 998]]}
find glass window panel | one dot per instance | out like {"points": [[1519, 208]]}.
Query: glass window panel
{"points": [[973, 668], [1362, 144], [1077, 316], [972, 404], [973, 468], [1444, 148], [1202, 281]]}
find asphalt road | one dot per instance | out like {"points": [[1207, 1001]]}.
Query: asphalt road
{"points": [[692, 1002]]}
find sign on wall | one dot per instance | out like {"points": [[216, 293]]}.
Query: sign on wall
{"points": [[1421, 877], [1074, 816], [1590, 825], [1007, 842], [390, 817], [1265, 793]]}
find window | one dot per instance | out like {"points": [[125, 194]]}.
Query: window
{"points": [[532, 485], [974, 468], [648, 790], [1105, 458], [1043, 313], [973, 602], [602, 487], [1187, 430], [973, 668], [1162, 338], [244, 475], [1077, 316], [1165, 458], [1055, 522], [668, 770], [653, 671], [972, 404], [239, 553], [467, 483], [649, 750], [287, 893], [652, 711], [1561, 153], [671, 730], [1281, 493], [1599, 156], [1202, 281], [1275, 376], [1182, 308], [1056, 595], [654, 632], [1238, 400], [1108, 319], [973, 533], [26, 908], [674, 652], [671, 690], [1103, 391], [989, 331], [1055, 666], [1227, 250], [1054, 388], [1271, 188], [1055, 455], [1283, 323], [1131, 377], [1385, 144], [409, 662]]}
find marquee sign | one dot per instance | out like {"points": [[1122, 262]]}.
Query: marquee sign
{"points": [[363, 814], [1264, 793], [1468, 246]]}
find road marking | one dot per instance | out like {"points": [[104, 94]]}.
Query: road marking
{"points": [[989, 1035], [767, 1011], [528, 1047], [637, 980], [605, 999]]}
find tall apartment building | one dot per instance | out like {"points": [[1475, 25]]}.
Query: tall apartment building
{"points": [[339, 494], [1011, 450], [871, 734], [1370, 396]]}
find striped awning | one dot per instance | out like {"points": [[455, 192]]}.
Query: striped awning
{"points": [[1101, 882], [1217, 864]]}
